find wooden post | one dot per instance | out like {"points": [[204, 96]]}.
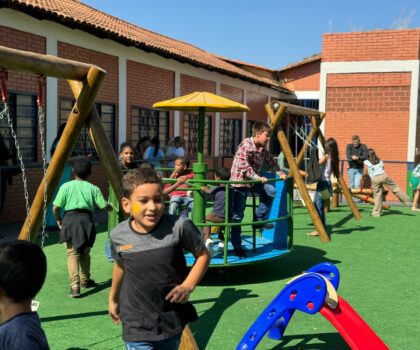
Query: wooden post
{"points": [[295, 171], [343, 185], [61, 155], [369, 199], [46, 65], [104, 149], [187, 340]]}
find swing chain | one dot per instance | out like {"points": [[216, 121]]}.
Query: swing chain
{"points": [[41, 117], [6, 114]]}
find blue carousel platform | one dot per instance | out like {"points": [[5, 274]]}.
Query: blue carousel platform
{"points": [[271, 243]]}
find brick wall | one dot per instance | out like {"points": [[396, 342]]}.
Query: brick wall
{"points": [[14, 206], [256, 103], [304, 77], [378, 45], [191, 84], [146, 85], [374, 106], [234, 94]]}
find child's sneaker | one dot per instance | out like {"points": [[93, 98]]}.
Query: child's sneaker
{"points": [[221, 245], [74, 291], [210, 246]]}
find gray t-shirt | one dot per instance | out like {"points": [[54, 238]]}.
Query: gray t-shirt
{"points": [[154, 264], [219, 194]]}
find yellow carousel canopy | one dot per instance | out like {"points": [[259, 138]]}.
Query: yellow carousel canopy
{"points": [[211, 103]]}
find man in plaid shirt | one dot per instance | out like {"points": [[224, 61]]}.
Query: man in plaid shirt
{"points": [[247, 164]]}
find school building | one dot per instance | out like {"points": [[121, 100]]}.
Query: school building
{"points": [[366, 82]]}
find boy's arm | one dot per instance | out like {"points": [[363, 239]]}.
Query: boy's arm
{"points": [[117, 278], [57, 217], [181, 293], [173, 187], [207, 190]]}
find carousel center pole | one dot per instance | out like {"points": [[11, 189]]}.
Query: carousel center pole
{"points": [[199, 170]]}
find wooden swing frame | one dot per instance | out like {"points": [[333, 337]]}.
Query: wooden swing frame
{"points": [[85, 81], [276, 110]]}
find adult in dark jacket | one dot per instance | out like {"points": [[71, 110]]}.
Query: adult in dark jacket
{"points": [[356, 153]]}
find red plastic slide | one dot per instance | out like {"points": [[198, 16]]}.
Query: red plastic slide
{"points": [[355, 331]]}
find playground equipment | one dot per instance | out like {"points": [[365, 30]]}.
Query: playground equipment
{"points": [[312, 292], [13, 141], [272, 243], [84, 80], [364, 194], [276, 111]]}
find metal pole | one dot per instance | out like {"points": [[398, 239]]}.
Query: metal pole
{"points": [[199, 170]]}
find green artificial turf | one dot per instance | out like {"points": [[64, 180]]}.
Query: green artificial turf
{"points": [[377, 259]]}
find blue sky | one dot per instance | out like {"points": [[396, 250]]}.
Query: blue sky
{"points": [[270, 33]]}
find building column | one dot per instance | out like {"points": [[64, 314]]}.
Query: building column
{"points": [[177, 114], [217, 126], [122, 100], [244, 116], [51, 107]]}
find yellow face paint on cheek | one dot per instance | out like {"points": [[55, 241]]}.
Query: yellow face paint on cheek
{"points": [[136, 208]]}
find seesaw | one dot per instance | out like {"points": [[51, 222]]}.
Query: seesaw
{"points": [[312, 292]]}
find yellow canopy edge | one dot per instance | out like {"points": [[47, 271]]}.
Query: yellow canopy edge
{"points": [[207, 100]]}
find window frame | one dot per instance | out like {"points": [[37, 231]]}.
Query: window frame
{"points": [[235, 140], [12, 103]]}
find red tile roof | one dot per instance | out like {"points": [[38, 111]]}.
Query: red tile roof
{"points": [[74, 14], [309, 59]]}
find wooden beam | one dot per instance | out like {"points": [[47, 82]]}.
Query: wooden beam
{"points": [[103, 147], [61, 155], [46, 65], [323, 235], [368, 199], [187, 340], [343, 185], [296, 110]]}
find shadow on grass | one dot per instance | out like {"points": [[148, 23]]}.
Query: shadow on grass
{"points": [[102, 342], [205, 325], [396, 212], [99, 287], [300, 259], [326, 341], [73, 316], [352, 229]]}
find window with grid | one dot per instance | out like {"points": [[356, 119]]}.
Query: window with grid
{"points": [[230, 136], [24, 116], [84, 145], [191, 134], [150, 122]]}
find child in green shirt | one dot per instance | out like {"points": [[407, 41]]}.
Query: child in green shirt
{"points": [[78, 198]]}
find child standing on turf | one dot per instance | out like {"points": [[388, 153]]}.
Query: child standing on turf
{"points": [[78, 198], [178, 197], [374, 167], [249, 159], [150, 284], [218, 212], [23, 267], [415, 182]]}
